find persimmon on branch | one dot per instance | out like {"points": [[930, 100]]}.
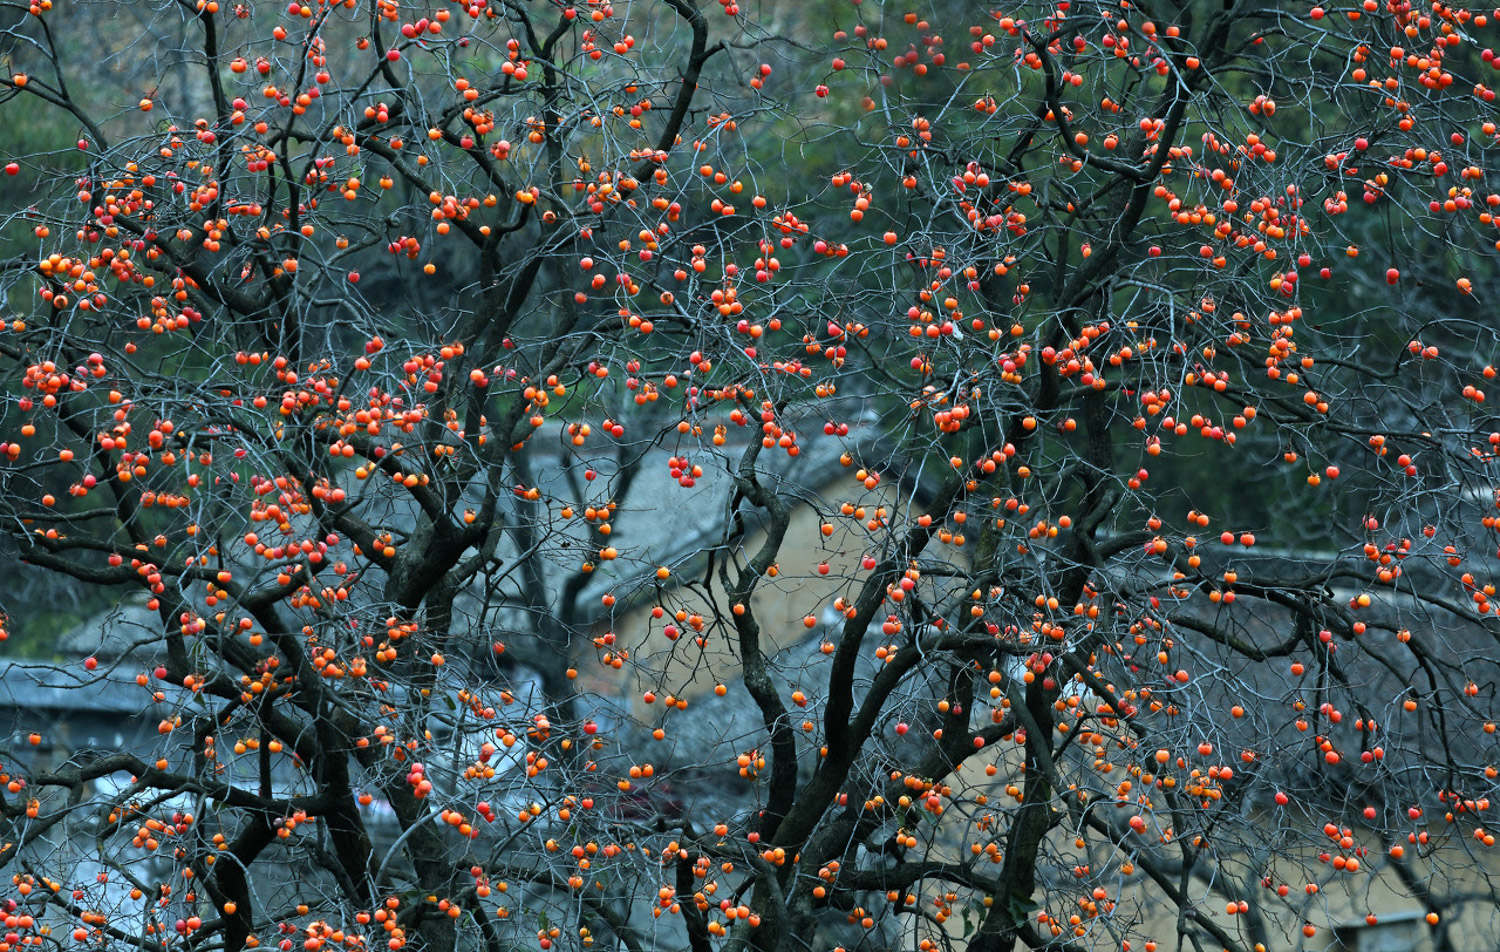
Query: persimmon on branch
{"points": [[662, 475]]}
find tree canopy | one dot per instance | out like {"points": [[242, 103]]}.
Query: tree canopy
{"points": [[656, 474]]}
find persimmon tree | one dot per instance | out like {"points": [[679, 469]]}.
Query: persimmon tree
{"points": [[1148, 598]]}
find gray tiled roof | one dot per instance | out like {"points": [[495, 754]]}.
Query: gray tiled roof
{"points": [[47, 687]]}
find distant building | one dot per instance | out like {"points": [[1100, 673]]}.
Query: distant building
{"points": [[71, 709], [1401, 932]]}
